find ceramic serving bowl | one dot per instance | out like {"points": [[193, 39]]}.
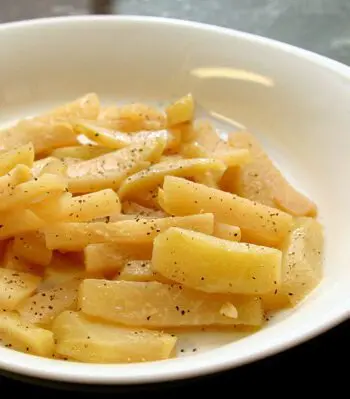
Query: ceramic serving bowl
{"points": [[295, 101]]}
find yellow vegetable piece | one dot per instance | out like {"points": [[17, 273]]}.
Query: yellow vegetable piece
{"points": [[208, 179], [302, 264], [140, 270], [82, 208], [154, 175], [43, 307], [50, 208], [206, 135], [52, 129], [18, 222], [32, 248], [136, 210], [109, 170], [3, 246], [63, 268], [19, 174], [85, 107], [180, 111], [133, 118], [54, 167], [261, 181], [25, 337], [214, 265], [194, 150], [92, 341], [16, 263], [76, 236], [23, 155], [186, 132], [44, 135], [41, 164], [83, 152], [106, 259], [102, 135], [148, 198], [34, 190], [233, 157], [154, 304], [227, 232], [229, 156], [115, 139], [15, 287], [258, 223]]}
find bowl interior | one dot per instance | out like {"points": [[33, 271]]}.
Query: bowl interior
{"points": [[295, 102]]}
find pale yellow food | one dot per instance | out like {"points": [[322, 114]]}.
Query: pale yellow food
{"points": [[107, 259], [44, 135], [186, 132], [19, 174], [63, 268], [258, 223], [133, 118], [148, 198], [15, 287], [140, 270], [23, 155], [118, 218], [261, 181], [76, 236], [154, 304], [211, 264], [229, 156], [193, 149], [227, 232], [213, 147], [53, 129], [180, 111], [3, 245], [80, 208], [115, 139], [303, 252], [233, 157], [33, 190], [85, 107], [209, 179], [136, 210], [55, 166], [83, 152], [206, 135], [25, 337], [49, 208], [32, 248], [207, 143], [91, 206], [41, 164], [109, 170], [106, 137], [16, 263], [43, 307], [18, 222], [154, 175], [91, 341]]}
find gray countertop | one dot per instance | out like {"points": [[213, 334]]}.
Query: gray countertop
{"points": [[317, 25]]}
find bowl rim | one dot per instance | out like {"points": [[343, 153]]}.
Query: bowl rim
{"points": [[195, 365]]}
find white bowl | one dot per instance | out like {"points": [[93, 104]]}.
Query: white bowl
{"points": [[295, 101]]}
